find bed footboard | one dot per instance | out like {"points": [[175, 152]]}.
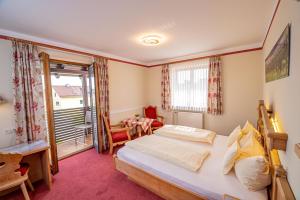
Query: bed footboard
{"points": [[153, 183]]}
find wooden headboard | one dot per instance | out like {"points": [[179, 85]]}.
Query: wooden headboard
{"points": [[272, 142]]}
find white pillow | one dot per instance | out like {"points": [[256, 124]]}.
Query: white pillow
{"points": [[234, 135], [232, 153], [253, 172], [229, 158]]}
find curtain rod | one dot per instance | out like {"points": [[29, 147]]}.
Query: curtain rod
{"points": [[57, 61], [4, 37], [127, 62], [210, 56]]}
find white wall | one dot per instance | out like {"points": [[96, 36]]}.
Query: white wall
{"points": [[284, 94], [242, 88], [126, 90], [7, 136]]}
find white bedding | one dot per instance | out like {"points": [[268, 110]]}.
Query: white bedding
{"points": [[209, 181], [176, 152], [186, 133]]}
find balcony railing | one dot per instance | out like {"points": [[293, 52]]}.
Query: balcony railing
{"points": [[65, 121]]}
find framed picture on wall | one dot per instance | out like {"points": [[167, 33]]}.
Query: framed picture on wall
{"points": [[277, 64]]}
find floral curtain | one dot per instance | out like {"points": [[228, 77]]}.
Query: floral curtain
{"points": [[165, 88], [28, 93], [215, 104], [102, 73]]}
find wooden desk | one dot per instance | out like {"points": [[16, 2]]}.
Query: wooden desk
{"points": [[37, 155]]}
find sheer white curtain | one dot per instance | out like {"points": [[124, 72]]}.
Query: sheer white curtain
{"points": [[189, 85]]}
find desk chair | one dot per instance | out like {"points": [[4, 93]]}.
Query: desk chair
{"points": [[13, 174], [84, 127], [116, 136]]}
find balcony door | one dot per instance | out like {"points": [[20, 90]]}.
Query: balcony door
{"points": [[95, 108], [69, 104]]}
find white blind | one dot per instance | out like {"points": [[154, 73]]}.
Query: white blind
{"points": [[189, 85]]}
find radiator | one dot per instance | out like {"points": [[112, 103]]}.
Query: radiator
{"points": [[192, 119]]}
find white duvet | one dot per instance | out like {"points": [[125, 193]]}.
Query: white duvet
{"points": [[186, 133], [178, 153]]}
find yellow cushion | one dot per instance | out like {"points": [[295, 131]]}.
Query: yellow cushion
{"points": [[252, 147], [249, 127], [245, 146]]}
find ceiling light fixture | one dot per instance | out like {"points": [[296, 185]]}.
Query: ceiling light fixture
{"points": [[151, 40]]}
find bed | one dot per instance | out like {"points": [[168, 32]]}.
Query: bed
{"points": [[173, 182]]}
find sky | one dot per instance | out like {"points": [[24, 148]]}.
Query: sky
{"points": [[63, 80]]}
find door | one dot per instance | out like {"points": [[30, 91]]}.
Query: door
{"points": [[95, 109], [49, 111]]}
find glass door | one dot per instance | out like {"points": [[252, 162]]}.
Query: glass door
{"points": [[95, 110], [71, 113]]}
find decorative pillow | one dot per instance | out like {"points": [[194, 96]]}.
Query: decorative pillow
{"points": [[229, 158], [253, 172], [251, 147], [249, 127], [233, 153], [234, 135]]}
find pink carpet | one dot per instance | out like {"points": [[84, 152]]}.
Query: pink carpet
{"points": [[88, 175]]}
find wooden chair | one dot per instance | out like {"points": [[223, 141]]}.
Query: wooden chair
{"points": [[151, 112], [12, 174], [84, 127], [117, 135]]}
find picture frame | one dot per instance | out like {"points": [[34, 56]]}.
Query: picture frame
{"points": [[277, 64]]}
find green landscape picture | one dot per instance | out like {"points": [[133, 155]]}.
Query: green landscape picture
{"points": [[278, 61]]}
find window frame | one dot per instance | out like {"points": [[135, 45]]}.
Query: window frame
{"points": [[191, 68]]}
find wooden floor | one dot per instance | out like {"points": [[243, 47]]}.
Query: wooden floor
{"points": [[70, 147]]}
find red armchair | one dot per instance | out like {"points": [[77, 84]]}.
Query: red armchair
{"points": [[151, 112], [117, 135]]}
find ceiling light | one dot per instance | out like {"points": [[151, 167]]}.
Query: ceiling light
{"points": [[151, 40]]}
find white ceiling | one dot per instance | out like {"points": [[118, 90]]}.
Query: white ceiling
{"points": [[113, 26]]}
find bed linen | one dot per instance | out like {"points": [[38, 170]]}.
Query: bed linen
{"points": [[174, 151], [209, 181], [186, 133]]}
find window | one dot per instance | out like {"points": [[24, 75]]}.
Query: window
{"points": [[81, 101], [189, 85]]}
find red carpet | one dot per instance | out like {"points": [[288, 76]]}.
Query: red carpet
{"points": [[88, 175]]}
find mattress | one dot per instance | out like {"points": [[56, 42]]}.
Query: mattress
{"points": [[209, 181]]}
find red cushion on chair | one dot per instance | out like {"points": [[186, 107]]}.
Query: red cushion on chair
{"points": [[119, 136], [23, 168], [156, 123], [150, 112]]}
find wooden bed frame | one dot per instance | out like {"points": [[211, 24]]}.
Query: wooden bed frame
{"points": [[278, 190]]}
